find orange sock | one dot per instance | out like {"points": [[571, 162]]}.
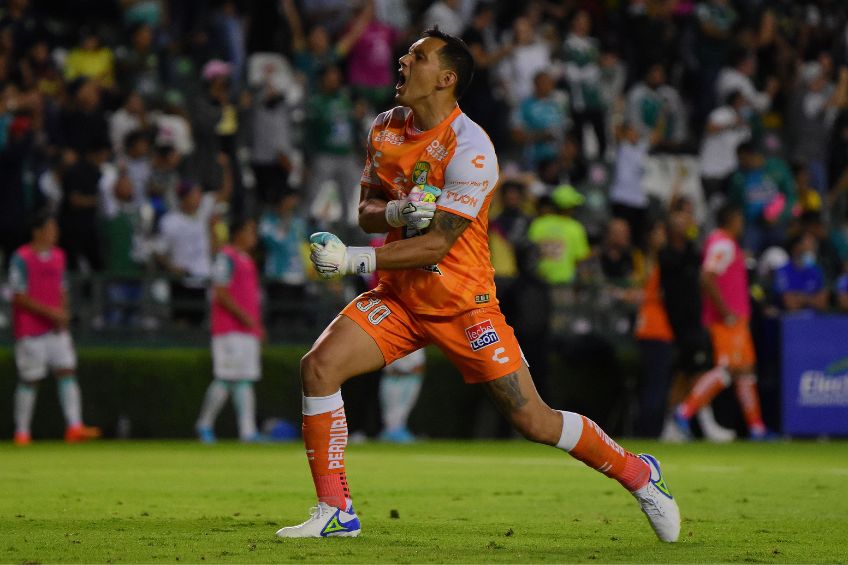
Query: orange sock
{"points": [[705, 389], [749, 399], [587, 442], [325, 436]]}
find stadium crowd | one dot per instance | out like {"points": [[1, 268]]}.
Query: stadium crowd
{"points": [[622, 129]]}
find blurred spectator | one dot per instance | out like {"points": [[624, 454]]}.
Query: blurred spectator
{"points": [[185, 244], [215, 117], [739, 77], [583, 74], [621, 265], [827, 251], [14, 205], [483, 100], [228, 27], [800, 283], [540, 120], [83, 122], [283, 234], [653, 332], [725, 130], [446, 15], [38, 69], [653, 102], [561, 239], [137, 163], [131, 116], [91, 60], [78, 213], [814, 104], [331, 142], [371, 62], [528, 57], [271, 147], [509, 229], [627, 196], [126, 226], [138, 64], [313, 52], [172, 124], [764, 190], [164, 178], [715, 20]]}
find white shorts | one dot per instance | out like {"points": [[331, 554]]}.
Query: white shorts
{"points": [[412, 363], [236, 357], [34, 356]]}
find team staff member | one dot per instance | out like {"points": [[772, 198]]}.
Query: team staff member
{"points": [[436, 286]]}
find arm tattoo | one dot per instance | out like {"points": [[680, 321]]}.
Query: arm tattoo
{"points": [[506, 393], [449, 224]]}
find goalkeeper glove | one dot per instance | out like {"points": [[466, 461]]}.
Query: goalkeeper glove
{"points": [[415, 210], [332, 258]]}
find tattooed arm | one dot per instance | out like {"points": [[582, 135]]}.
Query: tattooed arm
{"points": [[426, 249], [506, 393]]}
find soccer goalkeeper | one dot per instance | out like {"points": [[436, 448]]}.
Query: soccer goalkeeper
{"points": [[436, 287]]}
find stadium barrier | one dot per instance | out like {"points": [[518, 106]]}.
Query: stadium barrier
{"points": [[156, 393]]}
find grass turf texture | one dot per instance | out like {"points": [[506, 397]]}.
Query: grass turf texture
{"points": [[468, 502]]}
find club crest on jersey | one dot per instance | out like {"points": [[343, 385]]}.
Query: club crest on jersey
{"points": [[481, 335], [420, 172]]}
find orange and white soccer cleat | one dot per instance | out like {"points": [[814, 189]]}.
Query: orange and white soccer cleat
{"points": [[80, 433]]}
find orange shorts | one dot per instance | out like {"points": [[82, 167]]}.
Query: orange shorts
{"points": [[479, 342], [732, 345]]}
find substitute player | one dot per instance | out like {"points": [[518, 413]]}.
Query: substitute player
{"points": [[236, 334], [42, 342], [726, 311], [436, 286]]}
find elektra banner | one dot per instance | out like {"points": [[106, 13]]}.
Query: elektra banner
{"points": [[815, 375]]}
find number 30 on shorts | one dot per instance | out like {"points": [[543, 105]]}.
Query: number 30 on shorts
{"points": [[375, 315]]}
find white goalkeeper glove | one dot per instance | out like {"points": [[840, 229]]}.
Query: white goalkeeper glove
{"points": [[415, 210], [332, 258]]}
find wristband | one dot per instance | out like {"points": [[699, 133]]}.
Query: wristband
{"points": [[361, 260], [393, 214]]}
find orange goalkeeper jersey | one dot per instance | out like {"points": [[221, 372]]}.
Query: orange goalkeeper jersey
{"points": [[458, 157]]}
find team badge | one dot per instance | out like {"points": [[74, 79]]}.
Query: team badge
{"points": [[420, 172], [481, 335]]}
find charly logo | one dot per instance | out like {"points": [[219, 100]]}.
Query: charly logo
{"points": [[420, 172], [825, 388]]}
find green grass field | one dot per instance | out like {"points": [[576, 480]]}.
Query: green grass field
{"points": [[463, 502]]}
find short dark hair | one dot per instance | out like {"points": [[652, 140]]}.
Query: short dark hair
{"points": [[456, 56], [238, 223], [726, 213], [40, 219]]}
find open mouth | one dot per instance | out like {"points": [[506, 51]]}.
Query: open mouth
{"points": [[401, 79]]}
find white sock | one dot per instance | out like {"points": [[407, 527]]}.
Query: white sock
{"points": [[24, 405], [244, 399], [71, 400], [314, 405], [216, 396], [572, 429], [398, 395]]}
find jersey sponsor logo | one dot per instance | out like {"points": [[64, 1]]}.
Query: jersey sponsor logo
{"points": [[481, 335], [481, 298], [436, 150], [478, 161], [483, 185], [464, 199], [420, 172], [389, 137]]}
